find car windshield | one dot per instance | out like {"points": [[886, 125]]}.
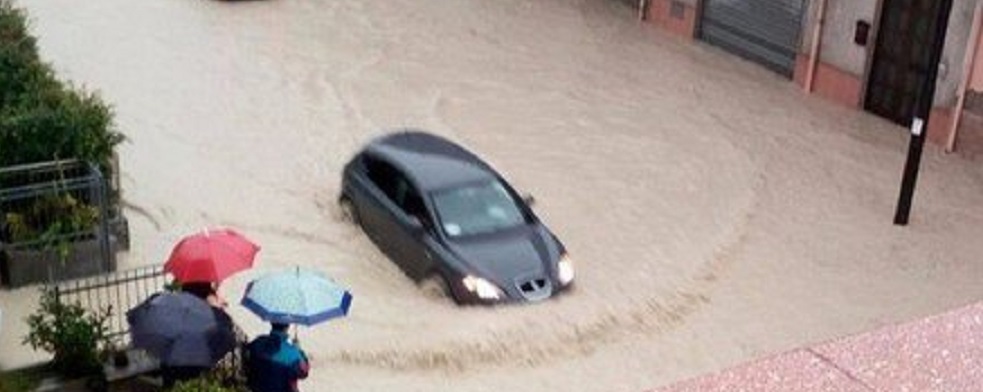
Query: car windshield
{"points": [[477, 209]]}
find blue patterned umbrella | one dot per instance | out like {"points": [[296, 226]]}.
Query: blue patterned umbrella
{"points": [[296, 297]]}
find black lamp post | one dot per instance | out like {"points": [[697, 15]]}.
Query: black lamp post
{"points": [[923, 108]]}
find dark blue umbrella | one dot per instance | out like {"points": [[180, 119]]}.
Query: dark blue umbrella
{"points": [[181, 330]]}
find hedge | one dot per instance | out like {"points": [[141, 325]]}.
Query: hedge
{"points": [[41, 117]]}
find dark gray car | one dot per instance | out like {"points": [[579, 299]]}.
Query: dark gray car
{"points": [[451, 222]]}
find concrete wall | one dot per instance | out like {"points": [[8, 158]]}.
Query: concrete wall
{"points": [[969, 139], [956, 42], [839, 75], [839, 52], [842, 69], [838, 49], [660, 13], [976, 83]]}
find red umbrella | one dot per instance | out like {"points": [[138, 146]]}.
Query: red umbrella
{"points": [[211, 256]]}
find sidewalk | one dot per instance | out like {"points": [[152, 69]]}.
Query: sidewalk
{"points": [[940, 353]]}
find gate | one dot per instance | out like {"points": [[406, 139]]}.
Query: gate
{"points": [[901, 58], [764, 31]]}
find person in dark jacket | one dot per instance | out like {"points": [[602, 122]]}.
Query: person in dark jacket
{"points": [[273, 364], [173, 374]]}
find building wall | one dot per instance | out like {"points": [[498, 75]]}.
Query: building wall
{"points": [[839, 74], [682, 24], [976, 82], [956, 42], [840, 52], [951, 71], [837, 48], [969, 140], [843, 65]]}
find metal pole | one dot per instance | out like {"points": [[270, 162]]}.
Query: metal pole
{"points": [[108, 255], [923, 108]]}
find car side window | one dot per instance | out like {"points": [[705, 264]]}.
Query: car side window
{"points": [[394, 184], [412, 205], [383, 175]]}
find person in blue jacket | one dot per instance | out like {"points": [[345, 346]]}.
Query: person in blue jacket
{"points": [[273, 364]]}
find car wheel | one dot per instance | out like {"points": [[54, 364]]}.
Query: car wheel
{"points": [[435, 286], [348, 212]]}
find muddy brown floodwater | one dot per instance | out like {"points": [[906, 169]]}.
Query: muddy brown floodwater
{"points": [[714, 212]]}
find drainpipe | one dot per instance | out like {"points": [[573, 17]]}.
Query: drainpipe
{"points": [[643, 6], [968, 65], [817, 35]]}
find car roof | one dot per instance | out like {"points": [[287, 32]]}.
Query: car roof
{"points": [[431, 162]]}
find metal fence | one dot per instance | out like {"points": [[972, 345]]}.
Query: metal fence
{"points": [[118, 291], [121, 291], [55, 220]]}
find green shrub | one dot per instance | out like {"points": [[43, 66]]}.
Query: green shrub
{"points": [[19, 381], [21, 70], [41, 118], [204, 384], [75, 336], [50, 218]]}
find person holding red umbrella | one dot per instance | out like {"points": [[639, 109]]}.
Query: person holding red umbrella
{"points": [[207, 291], [199, 263]]}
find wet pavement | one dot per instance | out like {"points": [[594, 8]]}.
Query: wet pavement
{"points": [[940, 353]]}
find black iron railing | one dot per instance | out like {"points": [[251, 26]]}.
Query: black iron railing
{"points": [[117, 291]]}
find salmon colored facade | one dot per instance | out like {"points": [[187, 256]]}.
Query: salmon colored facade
{"points": [[681, 21], [830, 82], [844, 68]]}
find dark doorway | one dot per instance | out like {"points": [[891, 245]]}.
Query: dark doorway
{"points": [[901, 58]]}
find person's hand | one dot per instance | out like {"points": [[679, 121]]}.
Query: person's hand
{"points": [[217, 301]]}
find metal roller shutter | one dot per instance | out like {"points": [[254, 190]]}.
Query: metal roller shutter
{"points": [[765, 31]]}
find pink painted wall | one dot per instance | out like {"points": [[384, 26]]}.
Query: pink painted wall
{"points": [[976, 82]]}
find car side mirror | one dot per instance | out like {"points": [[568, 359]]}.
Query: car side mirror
{"points": [[529, 199]]}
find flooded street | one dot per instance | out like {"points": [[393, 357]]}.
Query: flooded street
{"points": [[714, 212]]}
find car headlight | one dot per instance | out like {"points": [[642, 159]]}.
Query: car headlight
{"points": [[483, 288], [564, 270]]}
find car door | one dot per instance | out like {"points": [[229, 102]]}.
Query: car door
{"points": [[385, 218], [374, 201], [415, 251]]}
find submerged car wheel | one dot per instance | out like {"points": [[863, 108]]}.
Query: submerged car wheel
{"points": [[348, 212], [435, 286]]}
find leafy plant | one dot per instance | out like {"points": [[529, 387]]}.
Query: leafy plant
{"points": [[51, 217], [41, 118], [74, 335], [205, 384], [19, 380]]}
